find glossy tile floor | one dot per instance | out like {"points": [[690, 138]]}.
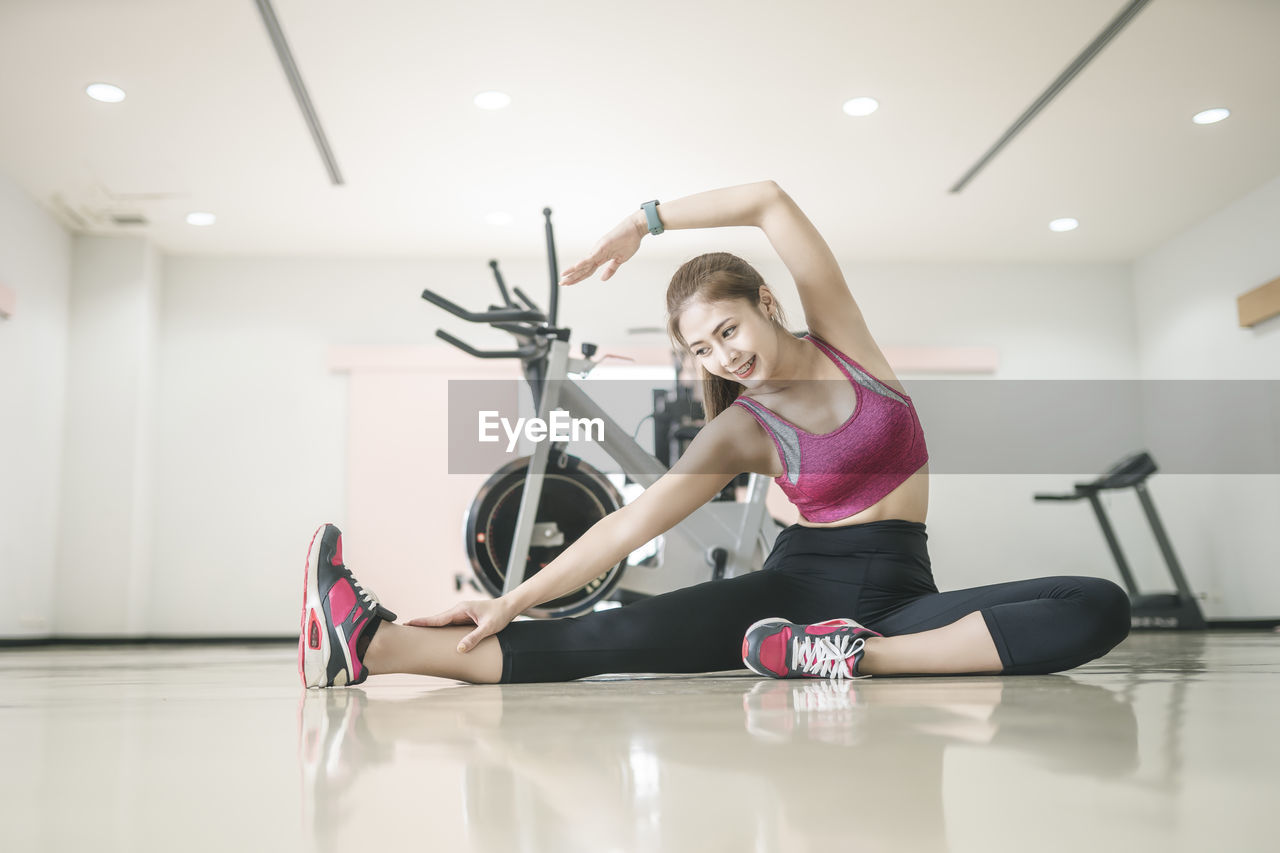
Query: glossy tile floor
{"points": [[1169, 743]]}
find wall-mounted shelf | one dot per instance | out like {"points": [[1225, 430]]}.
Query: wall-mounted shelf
{"points": [[1259, 304]]}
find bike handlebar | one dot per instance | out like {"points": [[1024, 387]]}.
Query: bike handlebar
{"points": [[520, 329], [527, 351], [533, 306], [501, 315]]}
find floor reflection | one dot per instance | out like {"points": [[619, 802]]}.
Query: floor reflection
{"points": [[725, 763]]}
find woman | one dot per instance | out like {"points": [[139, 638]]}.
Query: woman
{"points": [[849, 453]]}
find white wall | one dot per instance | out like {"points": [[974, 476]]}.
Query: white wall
{"points": [[105, 528], [35, 262], [1224, 526]]}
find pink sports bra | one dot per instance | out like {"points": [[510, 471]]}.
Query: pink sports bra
{"points": [[841, 473]]}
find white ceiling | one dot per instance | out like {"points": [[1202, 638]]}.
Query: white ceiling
{"points": [[619, 102]]}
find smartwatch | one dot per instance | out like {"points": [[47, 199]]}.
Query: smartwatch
{"points": [[650, 209]]}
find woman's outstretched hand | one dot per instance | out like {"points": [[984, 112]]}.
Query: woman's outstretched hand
{"points": [[489, 616], [612, 251]]}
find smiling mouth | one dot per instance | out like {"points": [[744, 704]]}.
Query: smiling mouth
{"points": [[746, 368]]}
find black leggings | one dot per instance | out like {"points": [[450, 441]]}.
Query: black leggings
{"points": [[876, 573]]}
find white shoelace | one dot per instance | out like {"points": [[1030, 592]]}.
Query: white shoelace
{"points": [[371, 598], [828, 656]]}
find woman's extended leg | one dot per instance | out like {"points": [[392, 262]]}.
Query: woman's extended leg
{"points": [[1025, 627], [433, 651], [695, 629]]}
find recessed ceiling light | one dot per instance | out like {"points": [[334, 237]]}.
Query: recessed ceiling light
{"points": [[861, 106], [1066, 224], [498, 219], [201, 218], [1211, 116], [105, 92], [492, 100]]}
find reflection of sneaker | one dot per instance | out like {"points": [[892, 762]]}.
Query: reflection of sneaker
{"points": [[338, 616], [781, 649], [334, 746], [819, 709]]}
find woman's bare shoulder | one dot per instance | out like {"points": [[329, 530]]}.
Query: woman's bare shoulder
{"points": [[738, 427]]}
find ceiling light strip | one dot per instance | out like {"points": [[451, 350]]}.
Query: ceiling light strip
{"points": [[1117, 24], [299, 90]]}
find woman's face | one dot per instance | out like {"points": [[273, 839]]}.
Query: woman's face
{"points": [[732, 338]]}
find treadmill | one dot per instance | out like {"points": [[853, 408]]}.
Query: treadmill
{"points": [[1178, 610]]}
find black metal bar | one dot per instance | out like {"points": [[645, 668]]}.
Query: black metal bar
{"points": [[521, 352], [505, 315], [1162, 539], [502, 285], [554, 303], [520, 294], [1113, 543], [516, 328]]}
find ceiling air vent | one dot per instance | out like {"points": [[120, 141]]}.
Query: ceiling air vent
{"points": [[128, 219]]}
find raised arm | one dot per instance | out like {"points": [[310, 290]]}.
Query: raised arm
{"points": [[830, 311], [740, 205]]}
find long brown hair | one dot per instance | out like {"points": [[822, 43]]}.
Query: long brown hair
{"points": [[713, 277]]}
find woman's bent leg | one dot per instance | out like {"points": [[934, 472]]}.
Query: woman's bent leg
{"points": [[1033, 626], [965, 647]]}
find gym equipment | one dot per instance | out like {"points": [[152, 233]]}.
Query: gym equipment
{"points": [[535, 507], [1162, 610]]}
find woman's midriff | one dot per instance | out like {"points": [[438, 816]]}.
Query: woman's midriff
{"points": [[908, 502]]}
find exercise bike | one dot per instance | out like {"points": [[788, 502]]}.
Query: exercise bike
{"points": [[533, 508]]}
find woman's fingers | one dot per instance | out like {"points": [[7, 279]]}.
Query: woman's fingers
{"points": [[469, 642], [613, 250], [488, 617], [579, 271], [453, 616]]}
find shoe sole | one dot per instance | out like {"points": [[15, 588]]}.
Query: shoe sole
{"points": [[313, 664]]}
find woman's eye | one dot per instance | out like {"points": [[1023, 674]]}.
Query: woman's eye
{"points": [[727, 331]]}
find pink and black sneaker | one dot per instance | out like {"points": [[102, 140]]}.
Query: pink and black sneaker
{"points": [[780, 649], [339, 616]]}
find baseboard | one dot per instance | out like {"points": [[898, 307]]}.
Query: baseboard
{"points": [[1243, 624], [32, 642]]}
